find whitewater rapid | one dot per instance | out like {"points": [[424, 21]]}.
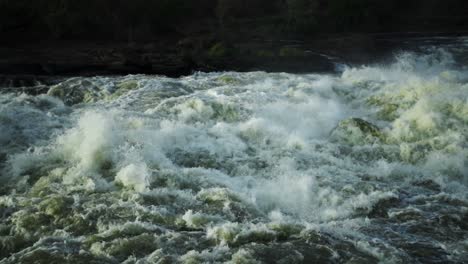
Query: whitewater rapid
{"points": [[366, 165]]}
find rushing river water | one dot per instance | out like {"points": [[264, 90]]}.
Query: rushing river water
{"points": [[366, 165]]}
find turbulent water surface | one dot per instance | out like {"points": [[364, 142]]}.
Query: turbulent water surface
{"points": [[367, 165]]}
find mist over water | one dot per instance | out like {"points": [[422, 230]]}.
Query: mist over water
{"points": [[366, 165]]}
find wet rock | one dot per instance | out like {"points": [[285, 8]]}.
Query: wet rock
{"points": [[75, 91]]}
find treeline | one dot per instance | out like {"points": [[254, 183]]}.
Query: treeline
{"points": [[98, 18], [148, 19]]}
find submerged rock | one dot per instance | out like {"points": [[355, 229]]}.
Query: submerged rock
{"points": [[76, 90], [356, 131]]}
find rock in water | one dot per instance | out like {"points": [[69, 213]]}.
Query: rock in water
{"points": [[75, 91]]}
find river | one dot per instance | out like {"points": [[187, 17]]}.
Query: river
{"points": [[365, 165]]}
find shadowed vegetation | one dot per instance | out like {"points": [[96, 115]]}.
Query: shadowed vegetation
{"points": [[140, 20], [175, 37]]}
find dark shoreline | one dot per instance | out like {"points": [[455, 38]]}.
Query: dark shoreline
{"points": [[45, 62]]}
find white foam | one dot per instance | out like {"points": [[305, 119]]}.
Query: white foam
{"points": [[136, 176], [241, 157]]}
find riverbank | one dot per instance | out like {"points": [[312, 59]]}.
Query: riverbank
{"points": [[30, 64]]}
